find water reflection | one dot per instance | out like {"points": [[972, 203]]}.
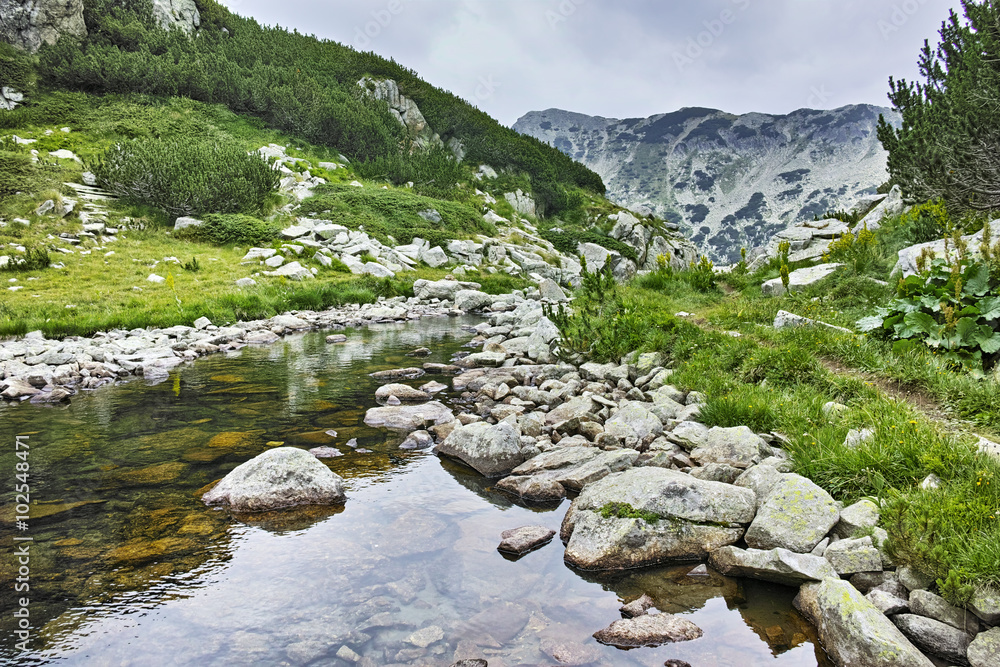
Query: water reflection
{"points": [[132, 569]]}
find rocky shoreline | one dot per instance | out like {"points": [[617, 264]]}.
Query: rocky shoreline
{"points": [[46, 370], [652, 484], [655, 486]]}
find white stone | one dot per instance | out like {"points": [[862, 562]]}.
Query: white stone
{"points": [[799, 279]]}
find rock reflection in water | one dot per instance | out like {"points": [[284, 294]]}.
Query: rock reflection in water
{"points": [[134, 570]]}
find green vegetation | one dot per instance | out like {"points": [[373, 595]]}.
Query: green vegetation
{"points": [[303, 86], [626, 511], [948, 144], [779, 380], [233, 229], [951, 307], [395, 212], [567, 241], [186, 176]]}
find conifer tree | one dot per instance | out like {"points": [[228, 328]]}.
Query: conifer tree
{"points": [[949, 143]]}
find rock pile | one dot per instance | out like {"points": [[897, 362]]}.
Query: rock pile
{"points": [[655, 486]]}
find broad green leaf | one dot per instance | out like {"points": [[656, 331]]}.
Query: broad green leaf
{"points": [[966, 330], [989, 308], [870, 323], [919, 322], [977, 280], [989, 340]]}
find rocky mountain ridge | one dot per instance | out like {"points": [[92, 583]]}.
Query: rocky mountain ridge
{"points": [[729, 181]]}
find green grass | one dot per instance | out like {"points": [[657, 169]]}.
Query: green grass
{"points": [[775, 380], [626, 511]]}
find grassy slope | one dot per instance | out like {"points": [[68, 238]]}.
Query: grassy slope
{"points": [[102, 288], [780, 380]]}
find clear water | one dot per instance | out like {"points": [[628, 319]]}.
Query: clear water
{"points": [[128, 567]]}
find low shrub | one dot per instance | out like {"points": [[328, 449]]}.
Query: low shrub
{"points": [[233, 229], [567, 241], [187, 177], [17, 173], [34, 259], [925, 223], [859, 252]]}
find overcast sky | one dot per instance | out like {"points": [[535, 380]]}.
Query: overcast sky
{"points": [[633, 58]]}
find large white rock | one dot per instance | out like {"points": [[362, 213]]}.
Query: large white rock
{"points": [[696, 517], [796, 515], [409, 417], [799, 279], [906, 265], [890, 206], [445, 290], [280, 477], [493, 450]]}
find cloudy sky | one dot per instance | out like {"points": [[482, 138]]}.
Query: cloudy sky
{"points": [[633, 58]]}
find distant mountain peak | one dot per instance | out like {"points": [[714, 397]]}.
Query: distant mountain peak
{"points": [[729, 180]]}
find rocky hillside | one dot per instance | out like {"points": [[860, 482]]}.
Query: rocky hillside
{"points": [[729, 181]]}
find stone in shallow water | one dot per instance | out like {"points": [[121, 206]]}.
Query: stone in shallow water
{"points": [[778, 565], [404, 393], [493, 450], [278, 478], [648, 630], [537, 488], [398, 374], [426, 636], [409, 417], [325, 452], [637, 607], [520, 541], [695, 518], [418, 440], [566, 652]]}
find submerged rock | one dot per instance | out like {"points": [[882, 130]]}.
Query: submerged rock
{"points": [[648, 630], [281, 477]]}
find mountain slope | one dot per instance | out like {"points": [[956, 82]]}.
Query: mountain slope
{"points": [[730, 181]]}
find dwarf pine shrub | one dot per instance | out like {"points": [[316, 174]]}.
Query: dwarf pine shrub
{"points": [[187, 177]]}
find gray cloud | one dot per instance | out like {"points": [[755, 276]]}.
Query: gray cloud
{"points": [[633, 57]]}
